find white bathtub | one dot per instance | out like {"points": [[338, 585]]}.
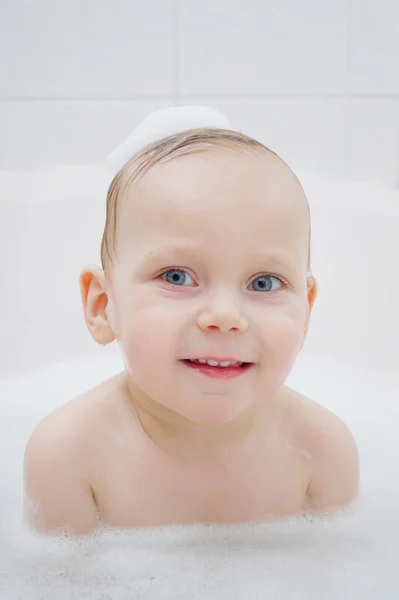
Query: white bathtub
{"points": [[50, 225]]}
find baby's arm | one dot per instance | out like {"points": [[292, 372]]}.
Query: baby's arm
{"points": [[58, 496], [335, 473]]}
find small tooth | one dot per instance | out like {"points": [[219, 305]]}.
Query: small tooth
{"points": [[215, 363]]}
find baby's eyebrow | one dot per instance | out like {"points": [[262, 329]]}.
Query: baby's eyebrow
{"points": [[187, 248], [279, 258]]}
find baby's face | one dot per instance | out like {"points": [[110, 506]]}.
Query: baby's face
{"points": [[212, 262]]}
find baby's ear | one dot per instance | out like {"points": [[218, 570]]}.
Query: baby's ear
{"points": [[95, 301], [312, 291], [311, 297]]}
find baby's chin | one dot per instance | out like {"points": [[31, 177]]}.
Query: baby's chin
{"points": [[193, 407], [209, 408]]}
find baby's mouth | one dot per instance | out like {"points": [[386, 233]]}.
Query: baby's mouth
{"points": [[223, 364], [222, 369]]}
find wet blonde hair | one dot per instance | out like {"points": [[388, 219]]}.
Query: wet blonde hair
{"points": [[179, 144]]}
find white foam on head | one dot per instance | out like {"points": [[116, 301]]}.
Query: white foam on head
{"points": [[353, 555], [162, 123]]}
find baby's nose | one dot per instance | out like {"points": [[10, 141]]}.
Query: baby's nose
{"points": [[225, 321]]}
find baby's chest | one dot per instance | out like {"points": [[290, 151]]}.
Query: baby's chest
{"points": [[146, 493]]}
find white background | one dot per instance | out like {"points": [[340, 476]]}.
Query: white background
{"points": [[316, 80]]}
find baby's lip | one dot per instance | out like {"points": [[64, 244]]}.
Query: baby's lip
{"points": [[219, 359]]}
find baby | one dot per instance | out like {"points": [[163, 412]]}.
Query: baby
{"points": [[206, 286]]}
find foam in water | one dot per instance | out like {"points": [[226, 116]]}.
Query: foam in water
{"points": [[354, 554]]}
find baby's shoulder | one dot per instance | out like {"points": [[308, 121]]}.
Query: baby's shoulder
{"points": [[332, 450], [313, 424], [59, 460], [78, 421]]}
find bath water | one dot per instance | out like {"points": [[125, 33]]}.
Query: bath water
{"points": [[353, 554]]}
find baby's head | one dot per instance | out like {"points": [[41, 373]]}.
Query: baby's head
{"points": [[205, 254]]}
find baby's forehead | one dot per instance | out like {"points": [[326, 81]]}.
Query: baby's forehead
{"points": [[216, 176], [228, 194]]}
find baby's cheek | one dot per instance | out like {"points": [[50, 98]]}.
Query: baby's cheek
{"points": [[284, 338], [145, 346]]}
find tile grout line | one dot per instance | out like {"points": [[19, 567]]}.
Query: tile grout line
{"points": [[175, 95], [347, 106], [176, 41]]}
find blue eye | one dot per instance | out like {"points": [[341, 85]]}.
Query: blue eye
{"points": [[180, 277], [177, 277], [264, 283]]}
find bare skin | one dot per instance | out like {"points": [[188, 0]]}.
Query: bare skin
{"points": [[122, 478], [162, 443]]}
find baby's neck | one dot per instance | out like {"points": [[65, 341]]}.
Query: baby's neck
{"points": [[210, 443]]}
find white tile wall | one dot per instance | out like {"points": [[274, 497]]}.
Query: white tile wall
{"points": [[41, 133], [262, 47], [373, 140], [317, 80], [307, 133], [89, 48], [374, 47]]}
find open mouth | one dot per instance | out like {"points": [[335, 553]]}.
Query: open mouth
{"points": [[224, 369], [214, 363]]}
